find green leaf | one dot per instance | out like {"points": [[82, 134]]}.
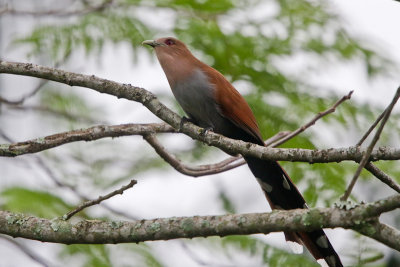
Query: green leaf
{"points": [[89, 32], [36, 202]]}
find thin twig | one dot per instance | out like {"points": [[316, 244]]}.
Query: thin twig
{"points": [[285, 136], [98, 200], [206, 169], [196, 171], [270, 141], [313, 120], [382, 176], [73, 189], [151, 102], [226, 164], [359, 143], [367, 154]]}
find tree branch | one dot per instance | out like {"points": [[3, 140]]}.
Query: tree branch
{"points": [[382, 176], [98, 200], [72, 188], [361, 218], [195, 171], [89, 134], [370, 129], [237, 161], [313, 120], [371, 146], [151, 102], [227, 144]]}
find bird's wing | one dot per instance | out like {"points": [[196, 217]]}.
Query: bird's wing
{"points": [[233, 106]]}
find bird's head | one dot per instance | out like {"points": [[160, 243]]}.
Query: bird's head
{"points": [[168, 46], [175, 58]]}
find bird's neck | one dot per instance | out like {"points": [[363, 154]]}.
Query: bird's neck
{"points": [[177, 69]]}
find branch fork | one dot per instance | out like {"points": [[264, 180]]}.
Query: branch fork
{"points": [[362, 218]]}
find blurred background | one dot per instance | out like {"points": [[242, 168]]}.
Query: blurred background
{"points": [[290, 59]]}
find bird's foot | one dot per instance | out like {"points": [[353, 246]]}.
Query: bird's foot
{"points": [[204, 131], [184, 120]]}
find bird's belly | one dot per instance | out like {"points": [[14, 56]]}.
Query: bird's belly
{"points": [[198, 105], [196, 97]]}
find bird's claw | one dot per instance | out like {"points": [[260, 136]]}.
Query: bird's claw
{"points": [[204, 131], [184, 120]]}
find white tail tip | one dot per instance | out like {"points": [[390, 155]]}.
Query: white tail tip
{"points": [[323, 263], [295, 247]]}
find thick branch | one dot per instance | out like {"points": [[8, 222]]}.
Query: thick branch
{"points": [[362, 218], [151, 102], [227, 144], [237, 161], [89, 134], [381, 232]]}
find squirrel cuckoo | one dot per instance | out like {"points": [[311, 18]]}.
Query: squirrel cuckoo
{"points": [[212, 102]]}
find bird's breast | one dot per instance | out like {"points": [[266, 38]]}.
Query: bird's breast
{"points": [[197, 97]]}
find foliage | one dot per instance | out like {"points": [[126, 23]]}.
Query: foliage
{"points": [[90, 32], [36, 202]]}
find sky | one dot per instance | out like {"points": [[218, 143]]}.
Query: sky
{"points": [[375, 21]]}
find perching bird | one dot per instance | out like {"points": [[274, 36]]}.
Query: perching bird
{"points": [[213, 103]]}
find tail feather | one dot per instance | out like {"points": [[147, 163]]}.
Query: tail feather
{"points": [[281, 193], [294, 242]]}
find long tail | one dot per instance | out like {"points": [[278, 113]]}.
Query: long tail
{"points": [[281, 193]]}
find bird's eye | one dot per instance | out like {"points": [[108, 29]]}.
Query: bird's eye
{"points": [[169, 42]]}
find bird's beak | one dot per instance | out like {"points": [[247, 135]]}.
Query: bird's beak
{"points": [[151, 43]]}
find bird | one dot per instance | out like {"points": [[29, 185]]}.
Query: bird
{"points": [[211, 102]]}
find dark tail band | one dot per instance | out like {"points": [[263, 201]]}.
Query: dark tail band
{"points": [[281, 193]]}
